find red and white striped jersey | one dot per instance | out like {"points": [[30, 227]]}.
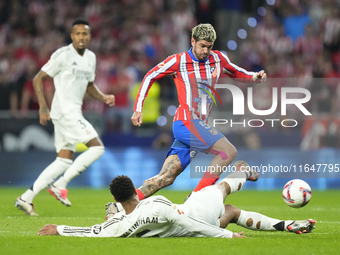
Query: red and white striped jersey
{"points": [[191, 77]]}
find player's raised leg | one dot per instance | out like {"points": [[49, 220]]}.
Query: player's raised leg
{"points": [[224, 153], [80, 164], [172, 167], [222, 148], [257, 221], [235, 181]]}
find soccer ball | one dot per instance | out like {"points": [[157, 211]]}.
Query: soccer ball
{"points": [[296, 193]]}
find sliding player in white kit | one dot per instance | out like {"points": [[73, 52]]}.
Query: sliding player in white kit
{"points": [[73, 70], [202, 215]]}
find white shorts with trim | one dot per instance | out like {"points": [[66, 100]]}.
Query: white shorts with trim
{"points": [[69, 132], [207, 205]]}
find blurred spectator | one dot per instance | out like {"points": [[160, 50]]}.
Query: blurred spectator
{"points": [[308, 45], [205, 11], [283, 44], [29, 100], [253, 52], [162, 141], [118, 118], [295, 23], [183, 20], [8, 94], [152, 105], [330, 30]]}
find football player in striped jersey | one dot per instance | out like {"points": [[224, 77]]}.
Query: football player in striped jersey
{"points": [[195, 73]]}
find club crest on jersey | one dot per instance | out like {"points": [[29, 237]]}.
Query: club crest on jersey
{"points": [[213, 71]]}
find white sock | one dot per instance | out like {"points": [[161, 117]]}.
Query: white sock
{"points": [[236, 181], [257, 221], [50, 173], [79, 165]]}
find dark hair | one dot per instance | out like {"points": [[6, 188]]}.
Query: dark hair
{"points": [[122, 188], [80, 21]]}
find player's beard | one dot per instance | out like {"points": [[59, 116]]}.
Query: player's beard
{"points": [[200, 57]]}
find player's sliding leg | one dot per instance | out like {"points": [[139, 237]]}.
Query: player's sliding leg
{"points": [[172, 167], [48, 176], [235, 181], [80, 164], [257, 221], [224, 153]]}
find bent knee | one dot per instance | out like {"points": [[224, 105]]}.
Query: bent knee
{"points": [[232, 154], [229, 207], [234, 211]]}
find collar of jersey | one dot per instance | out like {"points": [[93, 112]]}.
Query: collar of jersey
{"points": [[75, 51], [193, 57]]}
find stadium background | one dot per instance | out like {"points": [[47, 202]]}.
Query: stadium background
{"points": [[296, 39]]}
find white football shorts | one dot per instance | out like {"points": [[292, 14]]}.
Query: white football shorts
{"points": [[207, 205], [67, 133]]}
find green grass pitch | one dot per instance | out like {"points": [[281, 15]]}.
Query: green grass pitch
{"points": [[18, 232]]}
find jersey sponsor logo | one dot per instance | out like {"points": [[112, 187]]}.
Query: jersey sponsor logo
{"points": [[81, 74], [74, 63]]}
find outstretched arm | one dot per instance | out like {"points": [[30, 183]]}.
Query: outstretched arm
{"points": [[167, 67], [48, 230], [236, 72], [44, 112], [95, 92], [106, 229]]}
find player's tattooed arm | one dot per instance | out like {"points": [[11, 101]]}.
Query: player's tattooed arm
{"points": [[44, 112], [95, 92], [172, 167]]}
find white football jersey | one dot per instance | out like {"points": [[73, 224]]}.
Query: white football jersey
{"points": [[153, 217], [71, 74]]}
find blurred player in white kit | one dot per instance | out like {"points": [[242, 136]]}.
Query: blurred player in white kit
{"points": [[73, 70]]}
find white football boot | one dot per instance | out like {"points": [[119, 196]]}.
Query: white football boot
{"points": [[60, 194], [26, 207]]}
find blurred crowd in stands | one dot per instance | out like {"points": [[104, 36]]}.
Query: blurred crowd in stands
{"points": [[292, 39]]}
